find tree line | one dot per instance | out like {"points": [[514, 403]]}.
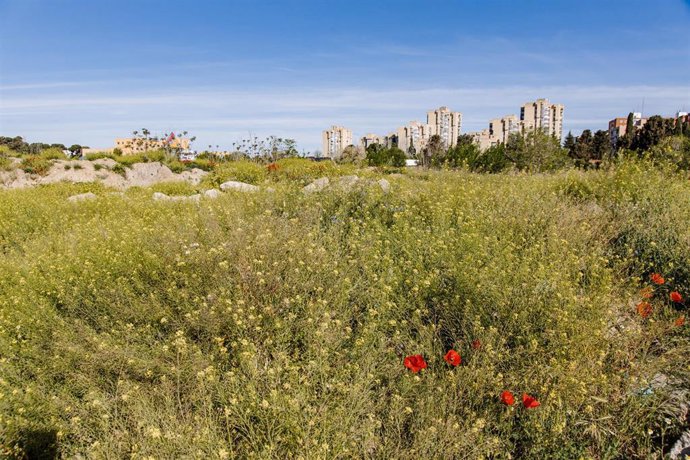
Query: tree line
{"points": [[19, 145], [535, 151], [589, 149], [538, 151]]}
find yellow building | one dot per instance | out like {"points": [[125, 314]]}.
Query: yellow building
{"points": [[133, 145]]}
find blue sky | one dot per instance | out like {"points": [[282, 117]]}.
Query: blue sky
{"points": [[89, 71]]}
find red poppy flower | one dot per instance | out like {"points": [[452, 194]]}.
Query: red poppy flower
{"points": [[676, 297], [644, 309], [680, 321], [657, 278], [415, 363], [647, 292], [507, 398], [453, 358], [476, 344], [529, 402]]}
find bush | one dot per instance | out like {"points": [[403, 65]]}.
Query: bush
{"points": [[378, 155], [671, 151], [35, 164], [303, 171], [52, 153], [242, 171], [129, 160], [176, 166], [5, 163], [5, 151], [203, 164], [175, 188], [119, 169], [99, 155]]}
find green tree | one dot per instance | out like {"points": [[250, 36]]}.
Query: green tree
{"points": [[584, 148], [411, 150], [570, 143], [535, 151], [601, 145], [651, 133], [463, 153], [679, 126], [434, 152], [630, 124], [396, 157], [491, 160], [351, 154], [375, 155], [14, 143]]}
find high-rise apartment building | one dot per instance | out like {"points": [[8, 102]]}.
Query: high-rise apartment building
{"points": [[334, 141], [446, 124], [542, 114], [390, 140], [414, 134], [498, 132], [483, 139], [501, 128], [370, 139]]}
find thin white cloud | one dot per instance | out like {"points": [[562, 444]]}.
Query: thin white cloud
{"points": [[215, 114]]}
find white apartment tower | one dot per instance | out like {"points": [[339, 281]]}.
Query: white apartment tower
{"points": [[541, 114], [500, 129], [334, 141], [446, 124], [414, 134], [370, 139]]}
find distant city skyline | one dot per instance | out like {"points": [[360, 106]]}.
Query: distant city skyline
{"points": [[87, 72]]}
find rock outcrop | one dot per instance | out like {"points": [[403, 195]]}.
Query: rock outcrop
{"points": [[79, 171], [317, 185], [238, 186]]}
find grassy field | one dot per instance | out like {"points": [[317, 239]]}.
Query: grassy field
{"points": [[275, 325]]}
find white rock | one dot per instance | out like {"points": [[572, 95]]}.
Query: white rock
{"points": [[146, 174], [213, 193], [317, 185], [82, 197], [158, 196], [193, 176], [681, 448], [239, 186], [385, 185], [347, 181]]}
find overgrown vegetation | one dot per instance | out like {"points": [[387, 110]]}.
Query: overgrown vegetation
{"points": [[275, 325]]}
